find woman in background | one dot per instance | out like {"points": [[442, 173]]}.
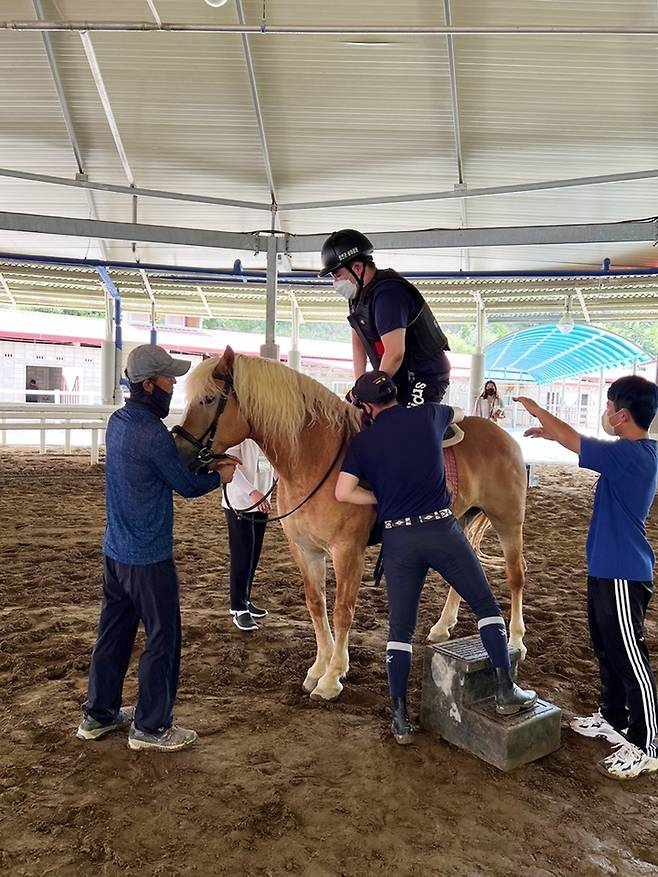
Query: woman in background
{"points": [[489, 404], [253, 480]]}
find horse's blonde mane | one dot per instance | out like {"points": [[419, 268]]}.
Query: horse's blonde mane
{"points": [[278, 401]]}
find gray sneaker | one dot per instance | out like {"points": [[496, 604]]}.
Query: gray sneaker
{"points": [[171, 740], [90, 729]]}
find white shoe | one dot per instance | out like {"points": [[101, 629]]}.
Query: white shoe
{"points": [[627, 762], [596, 726]]}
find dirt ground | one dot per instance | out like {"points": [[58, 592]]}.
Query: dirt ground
{"points": [[277, 784]]}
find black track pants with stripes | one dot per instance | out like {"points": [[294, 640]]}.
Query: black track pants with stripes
{"points": [[616, 610]]}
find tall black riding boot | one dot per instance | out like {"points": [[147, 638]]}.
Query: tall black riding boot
{"points": [[401, 727], [511, 699]]}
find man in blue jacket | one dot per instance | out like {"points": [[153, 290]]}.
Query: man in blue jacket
{"points": [[142, 469]]}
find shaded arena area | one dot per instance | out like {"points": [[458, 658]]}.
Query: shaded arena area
{"points": [[277, 784]]}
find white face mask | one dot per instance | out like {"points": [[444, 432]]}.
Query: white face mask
{"points": [[345, 288], [607, 426]]}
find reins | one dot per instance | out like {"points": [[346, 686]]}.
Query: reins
{"points": [[241, 512]]}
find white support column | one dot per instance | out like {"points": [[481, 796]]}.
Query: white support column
{"points": [[477, 359], [42, 437], [601, 388], [94, 447], [294, 356], [108, 355], [270, 350]]}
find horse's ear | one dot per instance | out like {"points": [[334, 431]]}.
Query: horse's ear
{"points": [[228, 358]]}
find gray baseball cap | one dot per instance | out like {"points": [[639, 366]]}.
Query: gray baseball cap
{"points": [[149, 360]]}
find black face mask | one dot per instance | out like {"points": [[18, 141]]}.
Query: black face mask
{"points": [[158, 401], [491, 391]]}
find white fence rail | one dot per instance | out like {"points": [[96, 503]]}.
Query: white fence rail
{"points": [[44, 418]]}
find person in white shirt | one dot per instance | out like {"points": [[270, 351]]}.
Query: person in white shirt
{"points": [[251, 483], [489, 404]]}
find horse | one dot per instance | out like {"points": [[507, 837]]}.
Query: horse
{"points": [[303, 429]]}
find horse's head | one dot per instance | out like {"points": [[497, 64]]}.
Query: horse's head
{"points": [[212, 421]]}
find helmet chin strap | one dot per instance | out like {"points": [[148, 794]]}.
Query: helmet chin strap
{"points": [[359, 280]]}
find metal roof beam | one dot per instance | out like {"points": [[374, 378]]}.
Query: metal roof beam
{"points": [[154, 12], [205, 301], [68, 119], [132, 190], [298, 29], [465, 192], [645, 231], [92, 60], [430, 239], [456, 128], [8, 293], [583, 306], [128, 231], [257, 108]]}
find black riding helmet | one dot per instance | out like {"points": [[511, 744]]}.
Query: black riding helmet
{"points": [[375, 388], [343, 247]]}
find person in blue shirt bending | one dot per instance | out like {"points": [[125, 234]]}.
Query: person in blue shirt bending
{"points": [[142, 468], [620, 570], [419, 533]]}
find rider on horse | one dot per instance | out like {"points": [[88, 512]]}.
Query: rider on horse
{"points": [[392, 324]]}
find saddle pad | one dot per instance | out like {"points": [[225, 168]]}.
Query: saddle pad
{"points": [[452, 477]]}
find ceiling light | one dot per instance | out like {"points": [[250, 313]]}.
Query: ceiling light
{"points": [[216, 3], [565, 323], [374, 42]]}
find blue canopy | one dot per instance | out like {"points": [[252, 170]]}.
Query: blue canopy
{"points": [[544, 353]]}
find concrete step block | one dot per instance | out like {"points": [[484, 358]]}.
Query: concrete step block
{"points": [[458, 705]]}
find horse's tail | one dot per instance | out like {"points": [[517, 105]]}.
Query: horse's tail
{"points": [[476, 524]]}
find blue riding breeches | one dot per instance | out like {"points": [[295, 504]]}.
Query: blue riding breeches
{"points": [[409, 553]]}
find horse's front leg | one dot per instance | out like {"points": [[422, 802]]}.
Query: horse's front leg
{"points": [[440, 632], [312, 564], [348, 566]]}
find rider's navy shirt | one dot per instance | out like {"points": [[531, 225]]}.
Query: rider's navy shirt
{"points": [[617, 545], [401, 458], [142, 468], [394, 307]]}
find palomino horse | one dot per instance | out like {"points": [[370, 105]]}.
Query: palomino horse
{"points": [[300, 426]]}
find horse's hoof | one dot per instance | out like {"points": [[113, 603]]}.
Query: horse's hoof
{"points": [[521, 647], [309, 683], [438, 636], [327, 693]]}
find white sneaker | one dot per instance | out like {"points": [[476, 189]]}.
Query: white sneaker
{"points": [[596, 726], [627, 762]]}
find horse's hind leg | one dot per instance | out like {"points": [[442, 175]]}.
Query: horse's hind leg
{"points": [[348, 566], [440, 632], [312, 564], [511, 540]]}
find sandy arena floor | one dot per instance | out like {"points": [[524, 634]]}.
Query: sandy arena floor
{"points": [[277, 784]]}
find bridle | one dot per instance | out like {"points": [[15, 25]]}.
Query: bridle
{"points": [[206, 455], [204, 443]]}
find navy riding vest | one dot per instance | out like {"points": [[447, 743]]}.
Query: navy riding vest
{"points": [[423, 335]]}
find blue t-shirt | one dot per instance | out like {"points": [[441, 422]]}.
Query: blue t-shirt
{"points": [[617, 546], [394, 307], [142, 467], [401, 458]]}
